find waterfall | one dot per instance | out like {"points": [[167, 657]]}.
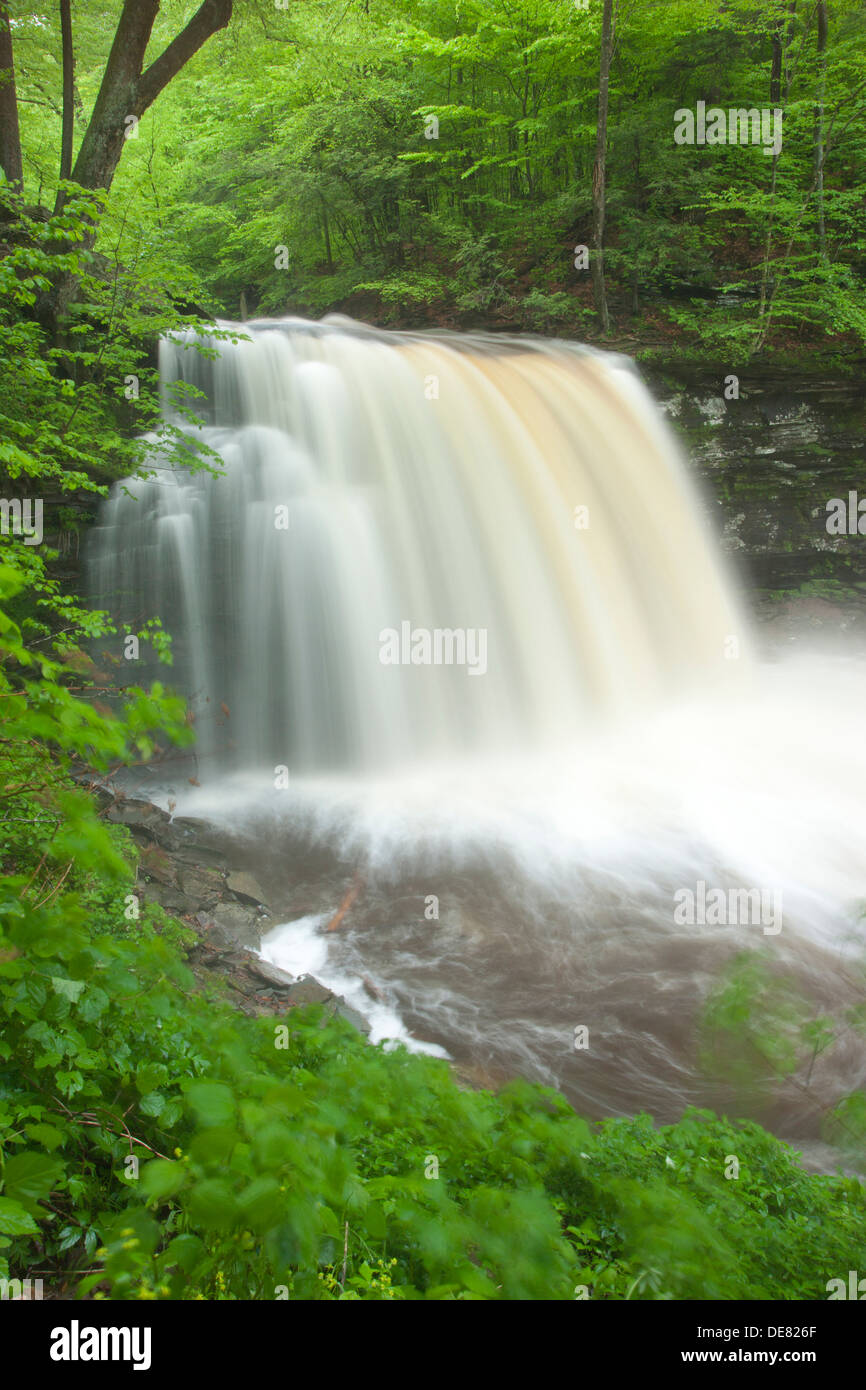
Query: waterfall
{"points": [[421, 545], [461, 589]]}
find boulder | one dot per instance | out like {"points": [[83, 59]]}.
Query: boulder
{"points": [[138, 815], [171, 898], [271, 974], [245, 887], [189, 830], [308, 990], [203, 887], [235, 923], [156, 864]]}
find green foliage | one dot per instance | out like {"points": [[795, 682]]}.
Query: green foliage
{"points": [[280, 1158], [437, 159], [759, 1029]]}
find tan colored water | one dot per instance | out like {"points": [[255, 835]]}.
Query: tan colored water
{"points": [[534, 496]]}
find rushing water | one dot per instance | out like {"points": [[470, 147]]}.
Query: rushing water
{"points": [[457, 641]]}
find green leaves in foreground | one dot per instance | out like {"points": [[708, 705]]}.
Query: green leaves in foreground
{"points": [[155, 1143]]}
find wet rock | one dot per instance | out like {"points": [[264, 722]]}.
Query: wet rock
{"points": [[182, 865], [170, 898], [237, 923], [156, 864], [271, 974], [309, 991], [772, 459], [200, 833], [357, 1020], [198, 855], [139, 815], [203, 887], [245, 887]]}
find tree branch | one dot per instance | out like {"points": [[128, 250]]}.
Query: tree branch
{"points": [[210, 17], [68, 120]]}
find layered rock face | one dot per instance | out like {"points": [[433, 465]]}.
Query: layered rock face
{"points": [[771, 458]]}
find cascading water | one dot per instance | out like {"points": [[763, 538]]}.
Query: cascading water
{"points": [[461, 589], [523, 499]]}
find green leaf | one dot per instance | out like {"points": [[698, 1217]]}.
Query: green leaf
{"points": [[374, 1220], [70, 989], [152, 1104], [261, 1203], [30, 1177], [15, 1220], [213, 1103], [185, 1251], [151, 1076], [47, 1135], [161, 1178], [477, 1282], [212, 1205]]}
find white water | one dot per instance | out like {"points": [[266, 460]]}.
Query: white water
{"points": [[300, 948], [456, 512], [618, 748]]}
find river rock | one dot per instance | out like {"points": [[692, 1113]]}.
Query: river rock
{"points": [[245, 887], [138, 815], [156, 864], [168, 897], [271, 974], [309, 990], [235, 923], [199, 855], [203, 887], [189, 830]]}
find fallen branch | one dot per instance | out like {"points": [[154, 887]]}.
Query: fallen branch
{"points": [[354, 890]]}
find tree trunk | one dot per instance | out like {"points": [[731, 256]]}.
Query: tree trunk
{"points": [[776, 68], [599, 194], [638, 207], [127, 91], [68, 126], [10, 136], [780, 50], [819, 127], [327, 233]]}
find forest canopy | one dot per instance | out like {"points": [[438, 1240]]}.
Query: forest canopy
{"points": [[420, 161]]}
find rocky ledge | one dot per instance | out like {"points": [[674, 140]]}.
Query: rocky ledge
{"points": [[185, 865]]}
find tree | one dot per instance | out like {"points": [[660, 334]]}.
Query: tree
{"points": [[128, 88], [10, 136], [819, 128], [599, 192], [126, 91], [68, 98]]}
